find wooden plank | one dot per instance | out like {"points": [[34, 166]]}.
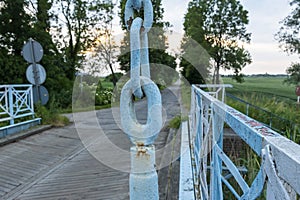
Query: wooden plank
{"points": [[25, 159], [58, 166]]}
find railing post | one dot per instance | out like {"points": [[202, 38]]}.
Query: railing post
{"points": [[30, 96], [11, 104]]}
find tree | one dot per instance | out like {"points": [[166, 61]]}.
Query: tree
{"points": [[79, 28], [289, 33], [15, 28], [104, 53], [157, 39], [294, 74], [289, 38], [194, 62], [57, 83], [219, 26], [102, 56]]}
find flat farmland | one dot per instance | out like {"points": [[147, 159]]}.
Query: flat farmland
{"points": [[269, 86]]}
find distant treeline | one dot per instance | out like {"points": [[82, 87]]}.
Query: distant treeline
{"points": [[260, 75]]}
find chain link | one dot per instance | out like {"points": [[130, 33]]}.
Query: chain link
{"points": [[140, 77]]}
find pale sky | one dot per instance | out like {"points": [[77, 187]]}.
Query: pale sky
{"points": [[264, 17]]}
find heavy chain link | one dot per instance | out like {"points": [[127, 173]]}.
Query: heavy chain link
{"points": [[140, 77]]}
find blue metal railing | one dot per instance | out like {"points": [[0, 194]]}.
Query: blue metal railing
{"points": [[205, 158], [16, 102]]}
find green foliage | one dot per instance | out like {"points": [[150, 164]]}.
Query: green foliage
{"points": [[57, 82], [50, 116], [14, 30], [85, 95], [103, 96], [280, 115], [157, 39], [84, 21], [15, 25], [219, 27], [270, 95], [46, 21], [293, 74], [12, 68], [104, 93], [289, 35], [185, 90], [176, 121], [109, 78], [194, 62]]}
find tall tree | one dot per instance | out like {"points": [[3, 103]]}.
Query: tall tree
{"points": [[15, 28], [289, 33], [157, 39], [294, 74], [79, 28], [103, 56], [219, 26], [289, 38], [57, 83]]}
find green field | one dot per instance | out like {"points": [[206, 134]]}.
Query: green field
{"points": [[272, 102], [269, 86]]}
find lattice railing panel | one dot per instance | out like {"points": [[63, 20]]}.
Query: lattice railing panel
{"points": [[16, 101], [280, 157]]}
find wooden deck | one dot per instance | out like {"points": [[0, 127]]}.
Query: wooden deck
{"points": [[56, 165]]}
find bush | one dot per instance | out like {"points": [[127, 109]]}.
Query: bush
{"points": [[103, 96], [50, 116]]}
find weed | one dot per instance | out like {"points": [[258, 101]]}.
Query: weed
{"points": [[176, 121], [50, 116]]}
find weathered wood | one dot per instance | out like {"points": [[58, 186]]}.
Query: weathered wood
{"points": [[56, 165]]}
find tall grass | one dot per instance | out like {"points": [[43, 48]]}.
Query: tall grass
{"points": [[280, 115]]}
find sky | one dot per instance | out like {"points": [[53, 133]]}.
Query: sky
{"points": [[264, 18]]}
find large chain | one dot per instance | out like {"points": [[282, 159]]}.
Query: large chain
{"points": [[140, 77], [139, 40]]}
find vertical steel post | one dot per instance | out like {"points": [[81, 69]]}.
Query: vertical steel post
{"points": [[35, 71], [11, 104]]}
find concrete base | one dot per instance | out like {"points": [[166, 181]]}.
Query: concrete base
{"points": [[16, 128]]}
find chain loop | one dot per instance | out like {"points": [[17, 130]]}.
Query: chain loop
{"points": [[140, 77], [132, 5]]}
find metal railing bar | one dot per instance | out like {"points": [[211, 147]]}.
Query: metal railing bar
{"points": [[233, 169], [229, 186], [6, 119]]}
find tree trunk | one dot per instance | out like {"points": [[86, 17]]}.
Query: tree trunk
{"points": [[113, 75]]}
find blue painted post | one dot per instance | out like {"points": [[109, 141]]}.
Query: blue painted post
{"points": [[143, 177], [11, 105]]}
